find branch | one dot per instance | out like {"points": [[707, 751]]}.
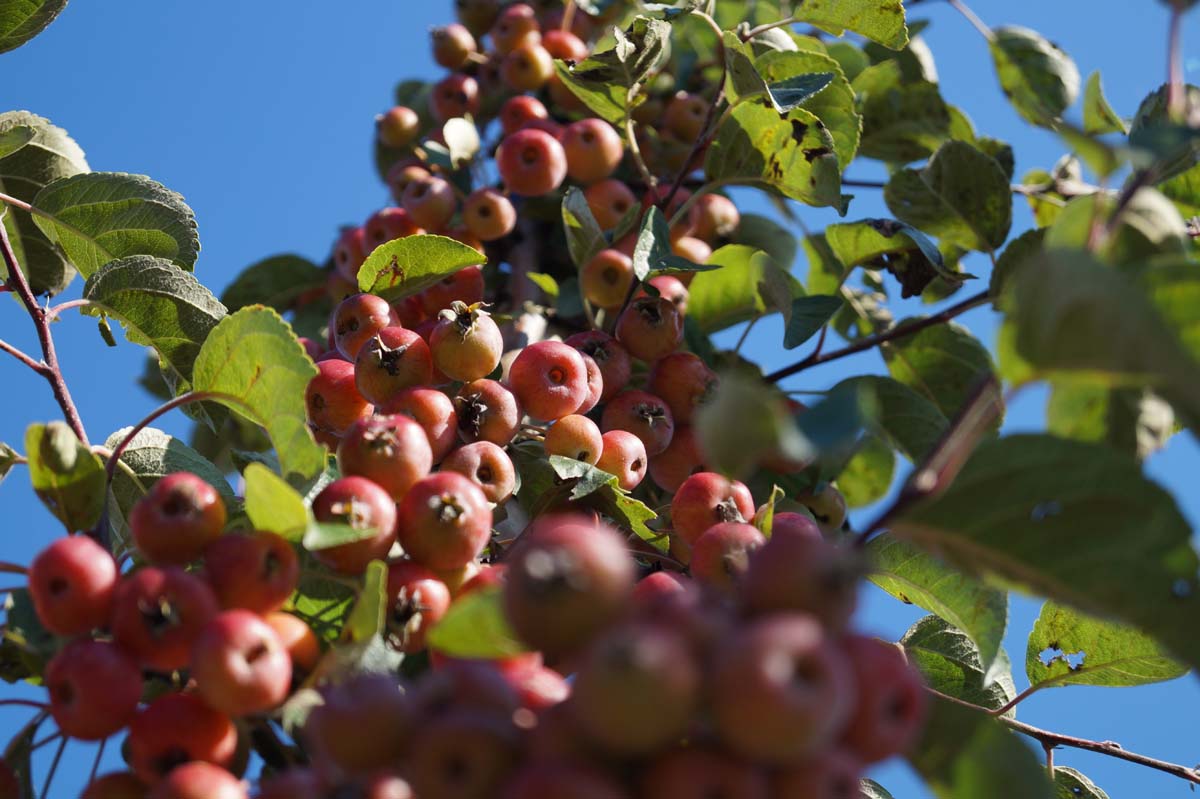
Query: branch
{"points": [[183, 399], [40, 368], [973, 18], [898, 332]]}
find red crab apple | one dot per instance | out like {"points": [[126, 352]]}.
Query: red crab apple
{"points": [[575, 436], [678, 461], [606, 278], [430, 201], [684, 382], [462, 754], [721, 556], [486, 465], [466, 343], [94, 689], [357, 320], [72, 582], [388, 224], [705, 499], [804, 573], [433, 411], [465, 285], [516, 25], [609, 200], [257, 571], [549, 379], [891, 704], [349, 254], [698, 772], [832, 774], [417, 600], [364, 725], [177, 519], [477, 15], [454, 96], [363, 505], [531, 162], [519, 111], [117, 785], [332, 398], [527, 67], [644, 415], [444, 521], [650, 328], [488, 214], [398, 126], [157, 614], [487, 411], [594, 150], [391, 451], [547, 780], [394, 359], [176, 729], [239, 664], [453, 45], [624, 455], [610, 357]]}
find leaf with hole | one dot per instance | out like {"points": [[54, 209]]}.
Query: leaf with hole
{"points": [[403, 267]]}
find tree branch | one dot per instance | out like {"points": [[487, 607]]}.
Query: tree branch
{"points": [[110, 468], [40, 368]]}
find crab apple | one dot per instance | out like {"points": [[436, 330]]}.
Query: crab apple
{"points": [[891, 704], [684, 381], [297, 638], [623, 455], [389, 224], [445, 521], [475, 685], [486, 465], [685, 115], [398, 126], [527, 67], [395, 359], [409, 312], [364, 725], [292, 783], [549, 379], [391, 451], [311, 348], [430, 202], [487, 411], [551, 780], [465, 286], [563, 99], [700, 773], [610, 356], [256, 571], [175, 729], [453, 45], [781, 690], [787, 524], [574, 436], [828, 507], [644, 415], [199, 780], [595, 383], [693, 249], [656, 585], [239, 664], [636, 689], [477, 16], [157, 614], [399, 175], [363, 505], [609, 201], [515, 26], [175, 521], [721, 555], [833, 774], [679, 461], [433, 411], [565, 45], [357, 320], [606, 278], [519, 111], [673, 289], [72, 584], [488, 214], [705, 499], [94, 689], [116, 785], [349, 252], [463, 754], [417, 600], [650, 328], [594, 150], [466, 343], [454, 96], [714, 217], [540, 688], [531, 162], [568, 578]]}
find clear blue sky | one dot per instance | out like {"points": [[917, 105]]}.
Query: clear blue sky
{"points": [[260, 114]]}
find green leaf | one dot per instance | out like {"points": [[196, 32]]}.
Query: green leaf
{"points": [[915, 577], [160, 306], [742, 80], [942, 363], [962, 196], [1070, 784], [21, 20], [1023, 509], [66, 475], [808, 315], [403, 267], [276, 282], [765, 427], [475, 627], [794, 78], [325, 535], [792, 154], [589, 479], [966, 753], [46, 155], [1027, 245], [880, 21], [584, 237], [653, 246], [9, 458], [1067, 647], [272, 504], [545, 282], [1039, 79], [1150, 225], [1131, 420], [598, 487], [322, 599], [23, 630], [253, 364], [1098, 115], [901, 121], [912, 423], [763, 233], [868, 475], [873, 790], [604, 80], [99, 217], [904, 251], [950, 661], [729, 295], [368, 617]]}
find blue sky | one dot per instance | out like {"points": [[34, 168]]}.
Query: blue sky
{"points": [[260, 114]]}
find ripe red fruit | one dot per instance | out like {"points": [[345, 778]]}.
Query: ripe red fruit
{"points": [[697, 773], [454, 96], [515, 26], [417, 600], [357, 320], [705, 499], [563, 44], [780, 690], [527, 67], [466, 343], [692, 249], [650, 328], [465, 285], [594, 150], [477, 15], [177, 519], [644, 415], [398, 126], [609, 201], [462, 754], [294, 783], [804, 573], [833, 774], [551, 780], [673, 289], [487, 411], [828, 507], [685, 115], [519, 111], [199, 781], [486, 465], [297, 638], [794, 525], [606, 278], [614, 363], [391, 451], [637, 689], [388, 224], [678, 461], [176, 729], [453, 45], [363, 505], [685, 382], [349, 253], [239, 664], [488, 214], [714, 217], [575, 437], [531, 162], [332, 398], [94, 689], [363, 726], [157, 614], [395, 359], [117, 785], [445, 521], [433, 411], [549, 379], [568, 578], [656, 586], [71, 583], [540, 688], [257, 571], [399, 175], [891, 704], [595, 382], [624, 455], [430, 201], [720, 557]]}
